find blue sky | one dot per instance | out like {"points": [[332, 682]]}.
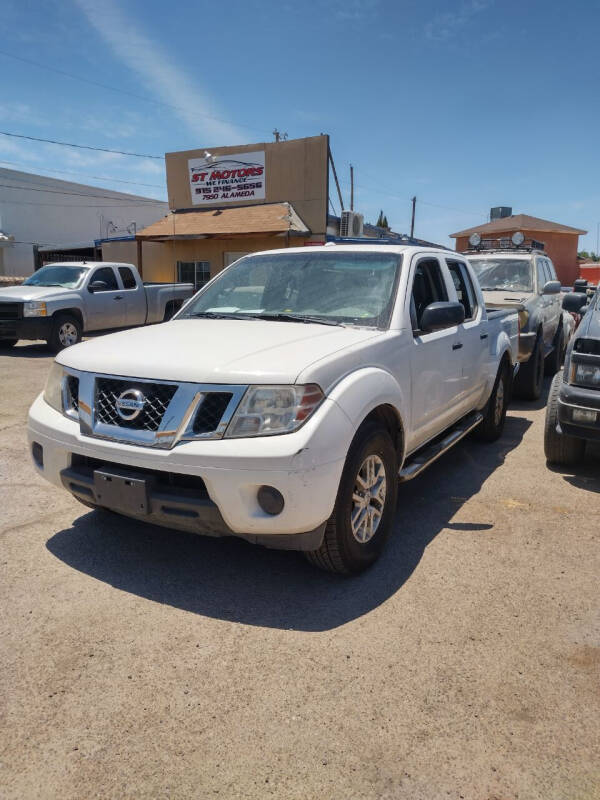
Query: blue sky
{"points": [[465, 103]]}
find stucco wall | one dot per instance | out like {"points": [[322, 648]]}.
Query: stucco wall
{"points": [[159, 259], [561, 247]]}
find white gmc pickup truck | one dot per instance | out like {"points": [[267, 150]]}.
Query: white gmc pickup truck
{"points": [[285, 399]]}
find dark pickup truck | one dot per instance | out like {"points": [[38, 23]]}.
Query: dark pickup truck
{"points": [[573, 410]]}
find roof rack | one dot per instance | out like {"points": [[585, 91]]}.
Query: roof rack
{"points": [[505, 244]]}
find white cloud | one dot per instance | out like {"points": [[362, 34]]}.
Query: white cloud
{"points": [[151, 62], [448, 24]]}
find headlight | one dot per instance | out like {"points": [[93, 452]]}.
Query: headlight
{"points": [[33, 308], [53, 394], [267, 410], [585, 375], [523, 318]]}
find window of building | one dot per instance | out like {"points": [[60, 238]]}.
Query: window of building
{"points": [[107, 275], [464, 287], [196, 272], [231, 256], [428, 287], [127, 278]]}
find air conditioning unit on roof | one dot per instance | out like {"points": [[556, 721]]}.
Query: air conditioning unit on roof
{"points": [[351, 224]]}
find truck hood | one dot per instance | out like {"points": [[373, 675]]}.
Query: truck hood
{"points": [[501, 298], [21, 294], [214, 350]]}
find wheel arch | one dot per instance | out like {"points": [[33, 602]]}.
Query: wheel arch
{"points": [[70, 312]]}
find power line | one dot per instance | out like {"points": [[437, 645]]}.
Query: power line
{"points": [[83, 175], [80, 146], [48, 68], [142, 202]]}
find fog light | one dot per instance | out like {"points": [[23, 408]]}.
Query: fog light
{"points": [[37, 451], [270, 500], [583, 415]]}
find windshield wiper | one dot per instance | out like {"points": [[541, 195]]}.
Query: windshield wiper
{"points": [[220, 315], [298, 318]]}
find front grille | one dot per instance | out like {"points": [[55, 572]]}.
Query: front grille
{"points": [[72, 393], [211, 411], [11, 310], [157, 396]]}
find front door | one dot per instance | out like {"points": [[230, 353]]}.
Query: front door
{"points": [[106, 306], [436, 361]]}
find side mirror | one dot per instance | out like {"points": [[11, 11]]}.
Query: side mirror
{"points": [[551, 287], [574, 301], [584, 309], [97, 286], [442, 315]]}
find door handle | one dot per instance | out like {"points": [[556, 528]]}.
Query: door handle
{"points": [[457, 346], [119, 297], [483, 335]]}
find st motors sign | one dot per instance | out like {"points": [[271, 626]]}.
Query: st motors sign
{"points": [[227, 179]]}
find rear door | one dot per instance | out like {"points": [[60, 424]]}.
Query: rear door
{"points": [[106, 308], [134, 297], [436, 362], [472, 335]]}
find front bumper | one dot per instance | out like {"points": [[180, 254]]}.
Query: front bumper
{"points": [[305, 466], [572, 398], [526, 345], [26, 328]]}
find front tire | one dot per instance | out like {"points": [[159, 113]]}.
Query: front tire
{"points": [[66, 331], [530, 378], [559, 448], [363, 515], [555, 359], [494, 418]]}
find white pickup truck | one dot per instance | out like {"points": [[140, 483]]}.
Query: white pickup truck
{"points": [[285, 400], [61, 302]]}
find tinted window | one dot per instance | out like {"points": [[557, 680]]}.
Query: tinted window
{"points": [[196, 272], [107, 275], [428, 287], [464, 287], [127, 277]]}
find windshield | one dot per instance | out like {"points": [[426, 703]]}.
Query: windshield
{"points": [[68, 277], [335, 288], [509, 274]]}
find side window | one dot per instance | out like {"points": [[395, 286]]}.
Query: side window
{"points": [[428, 287], [127, 278], [541, 275], [107, 275], [464, 287], [551, 270]]}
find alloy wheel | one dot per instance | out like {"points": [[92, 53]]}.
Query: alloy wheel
{"points": [[368, 499]]}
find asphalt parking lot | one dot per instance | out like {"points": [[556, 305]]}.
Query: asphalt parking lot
{"points": [[139, 662]]}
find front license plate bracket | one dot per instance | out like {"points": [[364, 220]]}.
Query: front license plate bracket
{"points": [[122, 491]]}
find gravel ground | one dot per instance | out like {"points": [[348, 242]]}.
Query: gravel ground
{"points": [[136, 662]]}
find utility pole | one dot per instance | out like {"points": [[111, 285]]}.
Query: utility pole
{"points": [[351, 188], [412, 221]]}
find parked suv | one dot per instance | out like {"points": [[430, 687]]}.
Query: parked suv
{"points": [[525, 279], [573, 410]]}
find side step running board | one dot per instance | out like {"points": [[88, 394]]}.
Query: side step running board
{"points": [[430, 453]]}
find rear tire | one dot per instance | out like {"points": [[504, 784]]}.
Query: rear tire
{"points": [[495, 414], [66, 331], [363, 515], [559, 448], [530, 378], [555, 359]]}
